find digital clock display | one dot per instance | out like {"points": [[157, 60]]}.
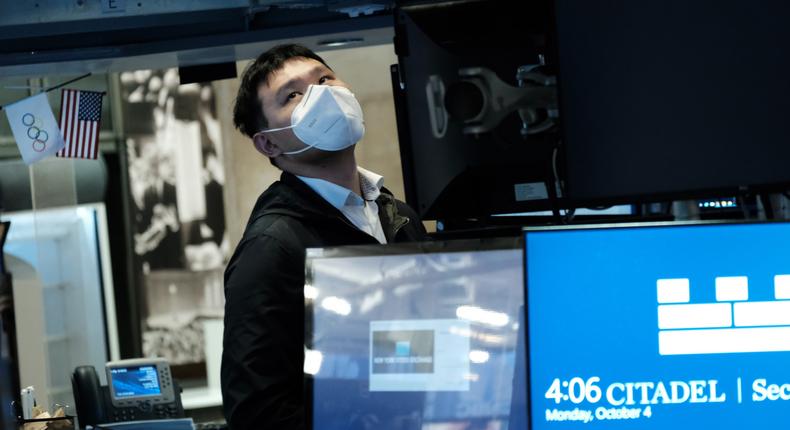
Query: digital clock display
{"points": [[659, 327]]}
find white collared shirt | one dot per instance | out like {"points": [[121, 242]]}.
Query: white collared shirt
{"points": [[363, 211]]}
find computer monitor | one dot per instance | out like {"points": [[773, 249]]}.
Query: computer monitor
{"points": [[659, 326], [9, 369], [464, 149], [669, 99], [416, 337]]}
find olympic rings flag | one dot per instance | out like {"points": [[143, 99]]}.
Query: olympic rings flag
{"points": [[34, 127]]}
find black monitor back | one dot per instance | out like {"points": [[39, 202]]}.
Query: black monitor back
{"points": [[459, 175]]}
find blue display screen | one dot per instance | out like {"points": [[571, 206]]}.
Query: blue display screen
{"points": [[428, 341], [135, 381], [659, 327]]}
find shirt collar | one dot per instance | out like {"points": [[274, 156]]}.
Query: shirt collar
{"points": [[339, 197], [370, 183]]}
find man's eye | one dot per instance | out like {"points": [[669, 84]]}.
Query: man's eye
{"points": [[324, 79], [291, 96]]}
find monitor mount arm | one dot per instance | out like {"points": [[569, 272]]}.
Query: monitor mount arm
{"points": [[481, 100]]}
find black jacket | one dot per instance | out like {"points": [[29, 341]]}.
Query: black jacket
{"points": [[263, 346]]}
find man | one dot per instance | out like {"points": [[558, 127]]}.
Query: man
{"points": [[158, 241], [302, 117]]}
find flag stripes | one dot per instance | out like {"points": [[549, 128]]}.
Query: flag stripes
{"points": [[80, 113]]}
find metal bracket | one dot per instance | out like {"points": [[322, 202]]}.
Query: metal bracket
{"points": [[535, 92]]}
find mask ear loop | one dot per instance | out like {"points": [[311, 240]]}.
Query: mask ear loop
{"points": [[284, 128], [269, 130], [302, 102], [299, 151]]}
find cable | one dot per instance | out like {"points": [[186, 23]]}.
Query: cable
{"points": [[768, 207], [569, 214], [556, 178], [742, 203], [551, 187], [567, 218]]}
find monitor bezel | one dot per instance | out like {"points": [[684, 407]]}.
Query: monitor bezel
{"points": [[432, 247]]}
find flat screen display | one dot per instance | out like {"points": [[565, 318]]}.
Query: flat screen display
{"points": [[423, 339], [659, 327], [665, 98], [138, 381]]}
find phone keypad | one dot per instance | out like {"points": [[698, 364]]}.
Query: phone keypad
{"points": [[144, 411], [126, 414], [166, 411]]}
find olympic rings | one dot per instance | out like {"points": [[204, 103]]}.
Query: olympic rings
{"points": [[35, 133], [42, 145]]}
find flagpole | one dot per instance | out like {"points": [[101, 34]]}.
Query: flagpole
{"points": [[66, 83], [61, 85]]}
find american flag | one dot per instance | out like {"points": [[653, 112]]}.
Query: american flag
{"points": [[80, 114]]}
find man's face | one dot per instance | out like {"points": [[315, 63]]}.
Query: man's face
{"points": [[285, 90]]}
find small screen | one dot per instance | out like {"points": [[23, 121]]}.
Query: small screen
{"points": [[659, 327], [136, 381]]}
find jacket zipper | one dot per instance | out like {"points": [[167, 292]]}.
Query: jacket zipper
{"points": [[396, 228]]}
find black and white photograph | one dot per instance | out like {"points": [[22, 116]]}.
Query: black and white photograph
{"points": [[177, 177]]}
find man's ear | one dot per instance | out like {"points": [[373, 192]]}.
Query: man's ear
{"points": [[265, 146]]}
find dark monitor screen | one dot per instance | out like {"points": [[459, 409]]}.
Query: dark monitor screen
{"points": [[420, 337], [659, 327], [662, 98]]}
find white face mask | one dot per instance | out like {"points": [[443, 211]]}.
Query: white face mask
{"points": [[328, 118]]}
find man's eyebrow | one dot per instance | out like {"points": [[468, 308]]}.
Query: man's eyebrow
{"points": [[295, 80]]}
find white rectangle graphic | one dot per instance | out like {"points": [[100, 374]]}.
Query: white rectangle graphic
{"points": [[419, 355], [673, 290], [704, 315], [732, 288], [751, 314], [723, 341], [782, 287], [530, 191]]}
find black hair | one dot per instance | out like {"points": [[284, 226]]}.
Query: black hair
{"points": [[248, 110]]}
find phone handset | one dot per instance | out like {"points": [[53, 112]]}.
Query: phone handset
{"points": [[88, 396]]}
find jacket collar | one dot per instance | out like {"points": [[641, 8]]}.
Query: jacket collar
{"points": [[339, 196], [292, 197]]}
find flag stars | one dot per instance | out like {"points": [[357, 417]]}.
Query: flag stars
{"points": [[90, 106]]}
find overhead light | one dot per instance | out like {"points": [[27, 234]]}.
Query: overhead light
{"points": [[312, 361], [310, 292], [482, 316], [478, 356], [336, 305], [474, 377], [334, 43], [493, 339]]}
